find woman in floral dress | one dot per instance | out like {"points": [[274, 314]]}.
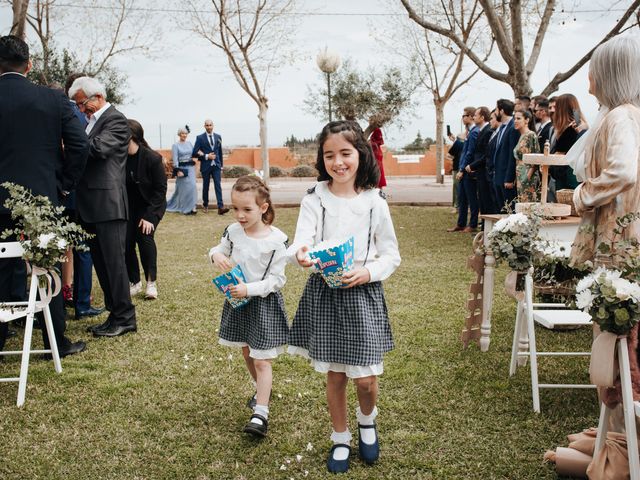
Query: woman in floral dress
{"points": [[527, 178]]}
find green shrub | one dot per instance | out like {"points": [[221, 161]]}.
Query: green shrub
{"points": [[236, 171], [303, 171], [276, 172]]}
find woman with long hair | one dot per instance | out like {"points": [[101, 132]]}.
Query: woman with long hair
{"points": [[527, 179], [568, 125], [147, 193], [185, 195]]}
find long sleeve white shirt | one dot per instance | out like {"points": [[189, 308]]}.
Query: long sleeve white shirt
{"points": [[253, 255], [346, 217]]}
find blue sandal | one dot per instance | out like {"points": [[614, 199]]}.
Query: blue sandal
{"points": [[338, 466], [369, 453]]}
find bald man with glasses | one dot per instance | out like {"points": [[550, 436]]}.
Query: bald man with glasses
{"points": [[208, 149]]}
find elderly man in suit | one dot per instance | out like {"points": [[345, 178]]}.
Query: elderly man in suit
{"points": [[208, 149], [36, 123], [101, 202]]}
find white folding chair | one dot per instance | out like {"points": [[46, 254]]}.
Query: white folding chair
{"points": [[549, 315], [38, 301], [631, 411]]}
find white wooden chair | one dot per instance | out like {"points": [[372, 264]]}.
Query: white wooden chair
{"points": [[38, 301], [549, 315], [631, 411]]}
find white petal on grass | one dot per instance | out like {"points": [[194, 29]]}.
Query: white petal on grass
{"points": [[299, 458], [309, 447]]}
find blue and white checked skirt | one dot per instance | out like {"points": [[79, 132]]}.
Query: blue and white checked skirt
{"points": [[348, 326], [261, 323]]}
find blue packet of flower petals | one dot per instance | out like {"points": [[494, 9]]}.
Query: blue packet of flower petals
{"points": [[333, 261], [229, 279]]}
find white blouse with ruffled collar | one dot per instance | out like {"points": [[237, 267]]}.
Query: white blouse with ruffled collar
{"points": [[253, 255], [346, 217]]}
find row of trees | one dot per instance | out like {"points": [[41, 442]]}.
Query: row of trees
{"points": [[444, 41]]}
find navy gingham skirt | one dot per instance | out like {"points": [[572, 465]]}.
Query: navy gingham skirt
{"points": [[261, 323], [342, 325]]}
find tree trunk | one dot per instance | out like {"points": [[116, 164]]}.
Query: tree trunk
{"points": [[264, 148], [20, 8], [439, 140]]}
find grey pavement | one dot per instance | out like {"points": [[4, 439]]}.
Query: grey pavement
{"points": [[288, 192]]}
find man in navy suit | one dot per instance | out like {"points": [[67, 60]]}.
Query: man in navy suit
{"points": [[504, 162], [208, 149]]}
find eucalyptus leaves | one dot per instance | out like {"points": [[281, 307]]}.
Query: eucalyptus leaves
{"points": [[612, 301], [43, 231], [513, 239]]}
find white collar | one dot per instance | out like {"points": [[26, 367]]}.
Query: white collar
{"points": [[13, 73], [99, 113], [274, 241]]}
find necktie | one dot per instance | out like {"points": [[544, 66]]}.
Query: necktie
{"points": [[500, 132], [211, 140]]}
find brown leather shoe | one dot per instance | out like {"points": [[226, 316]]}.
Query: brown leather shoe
{"points": [[223, 210], [469, 230], [455, 229]]}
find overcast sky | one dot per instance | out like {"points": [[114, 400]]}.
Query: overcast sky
{"points": [[187, 80]]}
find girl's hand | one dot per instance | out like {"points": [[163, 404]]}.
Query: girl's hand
{"points": [[302, 257], [530, 173], [356, 277], [221, 261], [238, 291]]}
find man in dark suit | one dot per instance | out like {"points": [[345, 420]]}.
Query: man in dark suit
{"points": [[101, 201], [208, 149], [35, 124], [504, 177], [478, 166], [544, 120]]}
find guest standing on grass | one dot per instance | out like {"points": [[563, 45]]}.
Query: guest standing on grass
{"points": [[101, 199], [527, 178], [376, 140], [345, 331], [185, 195], [208, 149], [259, 327], [147, 194], [566, 132]]}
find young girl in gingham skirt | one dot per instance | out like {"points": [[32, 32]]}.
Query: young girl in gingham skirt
{"points": [[345, 331], [260, 327]]}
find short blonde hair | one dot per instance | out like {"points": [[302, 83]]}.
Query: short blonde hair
{"points": [[615, 71]]}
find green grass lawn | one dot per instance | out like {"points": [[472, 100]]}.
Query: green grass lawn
{"points": [[169, 402]]}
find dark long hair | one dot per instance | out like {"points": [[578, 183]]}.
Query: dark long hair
{"points": [[368, 172], [137, 133], [251, 183]]}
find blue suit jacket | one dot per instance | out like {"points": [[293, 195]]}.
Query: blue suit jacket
{"points": [[469, 148], [202, 144], [504, 160]]}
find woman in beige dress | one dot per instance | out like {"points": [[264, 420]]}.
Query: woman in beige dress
{"points": [[606, 158]]}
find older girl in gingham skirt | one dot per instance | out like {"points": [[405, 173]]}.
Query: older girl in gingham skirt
{"points": [[345, 331], [260, 327]]}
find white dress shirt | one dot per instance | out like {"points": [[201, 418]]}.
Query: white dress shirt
{"points": [[253, 255], [346, 217], [95, 117]]}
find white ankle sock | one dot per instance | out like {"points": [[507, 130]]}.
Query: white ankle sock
{"points": [[260, 410], [341, 453], [367, 435]]}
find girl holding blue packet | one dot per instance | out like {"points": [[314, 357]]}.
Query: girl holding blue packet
{"points": [[345, 331], [260, 326]]}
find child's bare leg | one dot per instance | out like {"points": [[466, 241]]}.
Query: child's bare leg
{"points": [[249, 361], [264, 380], [337, 400], [367, 389]]}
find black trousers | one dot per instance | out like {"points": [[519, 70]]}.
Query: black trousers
{"points": [[13, 288], [148, 252], [108, 255], [486, 193]]}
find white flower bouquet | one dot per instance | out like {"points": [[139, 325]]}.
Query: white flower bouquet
{"points": [[44, 232], [513, 239], [612, 301]]}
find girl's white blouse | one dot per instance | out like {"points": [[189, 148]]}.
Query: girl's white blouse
{"points": [[253, 254], [346, 217]]}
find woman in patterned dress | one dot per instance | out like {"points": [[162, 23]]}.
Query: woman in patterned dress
{"points": [[527, 178]]}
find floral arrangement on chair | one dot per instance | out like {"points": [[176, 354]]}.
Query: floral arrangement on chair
{"points": [[43, 231], [513, 239], [612, 301]]}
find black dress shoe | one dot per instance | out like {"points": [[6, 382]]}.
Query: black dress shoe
{"points": [[114, 330], [68, 349], [11, 333], [90, 312], [101, 326]]}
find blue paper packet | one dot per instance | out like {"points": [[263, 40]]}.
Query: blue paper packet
{"points": [[333, 261], [226, 280]]}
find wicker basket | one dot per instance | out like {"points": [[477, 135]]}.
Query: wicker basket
{"points": [[566, 196]]}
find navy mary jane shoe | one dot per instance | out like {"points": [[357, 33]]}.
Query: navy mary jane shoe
{"points": [[369, 452], [338, 466]]}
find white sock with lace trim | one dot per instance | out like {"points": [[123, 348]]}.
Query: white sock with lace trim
{"points": [[367, 435], [341, 453]]}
